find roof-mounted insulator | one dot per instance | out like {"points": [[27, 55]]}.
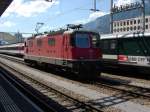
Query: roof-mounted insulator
{"points": [[72, 26]]}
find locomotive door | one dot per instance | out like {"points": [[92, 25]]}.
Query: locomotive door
{"points": [[65, 49], [26, 48]]}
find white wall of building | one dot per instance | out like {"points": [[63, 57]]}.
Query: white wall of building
{"points": [[131, 25]]}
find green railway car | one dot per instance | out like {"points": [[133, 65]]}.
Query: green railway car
{"points": [[130, 51]]}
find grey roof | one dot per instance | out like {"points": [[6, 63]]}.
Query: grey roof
{"points": [[3, 5]]}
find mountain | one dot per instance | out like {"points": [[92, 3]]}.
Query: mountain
{"points": [[102, 24]]}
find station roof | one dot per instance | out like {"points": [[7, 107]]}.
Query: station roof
{"points": [[3, 5]]}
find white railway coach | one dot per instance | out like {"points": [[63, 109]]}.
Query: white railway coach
{"points": [[13, 49]]}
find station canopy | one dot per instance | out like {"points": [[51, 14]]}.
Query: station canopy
{"points": [[3, 5]]}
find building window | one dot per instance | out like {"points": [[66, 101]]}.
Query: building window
{"points": [[131, 28], [134, 27], [138, 27], [146, 20], [121, 29], [138, 21], [146, 27], [134, 21], [127, 28], [114, 30], [124, 23], [51, 41], [124, 29], [131, 22], [120, 23], [118, 30], [114, 24], [128, 22], [117, 23]]}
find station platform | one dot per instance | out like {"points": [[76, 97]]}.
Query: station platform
{"points": [[11, 100]]}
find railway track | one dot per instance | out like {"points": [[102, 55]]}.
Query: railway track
{"points": [[127, 88], [26, 90], [44, 94], [132, 90]]}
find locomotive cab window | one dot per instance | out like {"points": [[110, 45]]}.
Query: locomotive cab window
{"points": [[82, 40]]}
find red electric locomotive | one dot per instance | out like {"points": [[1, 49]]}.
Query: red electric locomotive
{"points": [[74, 50]]}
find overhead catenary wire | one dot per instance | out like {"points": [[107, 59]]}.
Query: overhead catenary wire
{"points": [[81, 8], [68, 12]]}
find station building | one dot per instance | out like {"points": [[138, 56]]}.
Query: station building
{"points": [[123, 22], [131, 25]]}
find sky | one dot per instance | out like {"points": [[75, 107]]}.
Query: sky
{"points": [[23, 15]]}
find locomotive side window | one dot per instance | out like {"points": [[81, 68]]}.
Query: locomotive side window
{"points": [[82, 40], [39, 42], [51, 41]]}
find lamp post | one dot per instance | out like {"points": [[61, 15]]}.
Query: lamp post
{"points": [[143, 15], [111, 16], [94, 9]]}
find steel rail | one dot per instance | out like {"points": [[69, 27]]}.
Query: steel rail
{"points": [[18, 84], [109, 86], [106, 85], [82, 104], [127, 90]]}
